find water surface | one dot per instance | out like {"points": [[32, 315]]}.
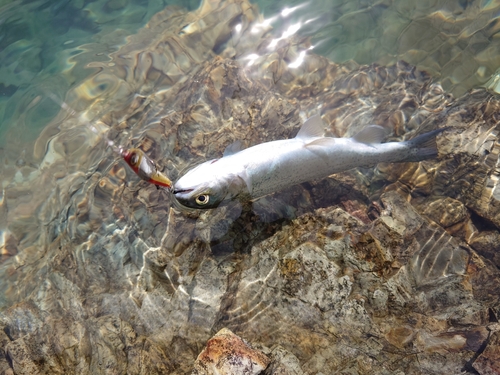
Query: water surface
{"points": [[381, 270]]}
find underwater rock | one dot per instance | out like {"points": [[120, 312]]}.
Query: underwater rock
{"points": [[226, 354], [488, 361], [283, 362], [309, 285], [487, 244], [93, 346]]}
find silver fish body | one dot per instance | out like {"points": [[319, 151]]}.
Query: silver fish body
{"points": [[273, 166]]}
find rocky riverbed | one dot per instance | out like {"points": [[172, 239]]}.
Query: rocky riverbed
{"points": [[387, 270]]}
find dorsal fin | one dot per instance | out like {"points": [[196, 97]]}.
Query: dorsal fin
{"points": [[371, 134], [312, 128], [233, 148]]}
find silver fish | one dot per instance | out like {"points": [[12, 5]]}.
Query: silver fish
{"points": [[268, 167]]}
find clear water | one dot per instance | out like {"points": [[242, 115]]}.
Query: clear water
{"points": [[47, 46], [83, 239]]}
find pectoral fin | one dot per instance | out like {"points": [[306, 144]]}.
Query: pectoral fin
{"points": [[322, 142], [248, 181], [320, 146], [270, 209], [370, 135]]}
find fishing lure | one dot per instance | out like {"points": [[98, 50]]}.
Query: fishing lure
{"points": [[144, 167]]}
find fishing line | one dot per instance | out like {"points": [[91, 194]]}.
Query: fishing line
{"points": [[145, 167]]}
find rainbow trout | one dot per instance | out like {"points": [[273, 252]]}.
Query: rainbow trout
{"points": [[268, 167]]}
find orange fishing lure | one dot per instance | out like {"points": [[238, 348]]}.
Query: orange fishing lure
{"points": [[144, 167]]}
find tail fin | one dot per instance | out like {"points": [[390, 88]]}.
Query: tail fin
{"points": [[424, 146]]}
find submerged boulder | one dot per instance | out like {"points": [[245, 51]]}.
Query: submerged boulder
{"points": [[227, 354]]}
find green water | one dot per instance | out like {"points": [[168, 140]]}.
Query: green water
{"points": [[46, 46]]}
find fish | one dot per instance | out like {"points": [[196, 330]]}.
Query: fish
{"points": [[145, 167], [254, 172]]}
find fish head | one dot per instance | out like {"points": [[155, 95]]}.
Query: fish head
{"points": [[205, 187]]}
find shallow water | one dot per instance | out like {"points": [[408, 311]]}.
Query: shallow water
{"points": [[393, 269]]}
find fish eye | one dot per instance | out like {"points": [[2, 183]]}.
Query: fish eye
{"points": [[202, 199], [134, 159]]}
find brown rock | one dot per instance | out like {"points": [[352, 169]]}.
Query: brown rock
{"points": [[488, 362], [283, 362], [487, 244], [228, 354]]}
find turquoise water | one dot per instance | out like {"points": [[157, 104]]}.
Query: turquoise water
{"points": [[93, 257], [47, 46]]}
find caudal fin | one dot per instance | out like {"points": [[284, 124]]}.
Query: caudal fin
{"points": [[424, 146]]}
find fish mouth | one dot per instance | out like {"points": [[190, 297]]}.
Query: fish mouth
{"points": [[178, 191]]}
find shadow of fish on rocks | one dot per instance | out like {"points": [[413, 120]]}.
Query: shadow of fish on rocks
{"points": [[239, 226]]}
